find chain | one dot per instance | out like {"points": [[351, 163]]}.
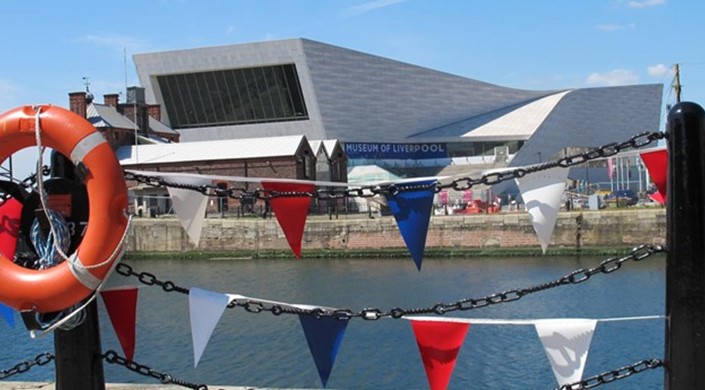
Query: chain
{"points": [[40, 360], [254, 306], [113, 358], [149, 279], [460, 184], [28, 182], [613, 375]]}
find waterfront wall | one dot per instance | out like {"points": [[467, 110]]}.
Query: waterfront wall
{"points": [[604, 228]]}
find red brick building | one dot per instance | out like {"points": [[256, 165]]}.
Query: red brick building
{"points": [[157, 149]]}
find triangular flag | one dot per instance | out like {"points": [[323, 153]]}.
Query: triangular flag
{"points": [[566, 342], [121, 305], [10, 214], [190, 206], [657, 164], [657, 197], [324, 336], [291, 212], [412, 211], [542, 193], [205, 308], [8, 314], [439, 344]]}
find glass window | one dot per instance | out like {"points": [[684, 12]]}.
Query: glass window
{"points": [[233, 96]]}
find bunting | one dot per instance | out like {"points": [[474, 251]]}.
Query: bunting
{"points": [[10, 213], [323, 336], [656, 163], [190, 206], [566, 342], [439, 343], [8, 314], [412, 211], [121, 305], [542, 193], [291, 212], [205, 309]]}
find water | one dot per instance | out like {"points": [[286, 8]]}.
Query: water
{"points": [[270, 351]]}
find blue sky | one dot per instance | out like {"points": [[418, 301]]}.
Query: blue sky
{"points": [[50, 46]]}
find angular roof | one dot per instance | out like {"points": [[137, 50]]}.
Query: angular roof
{"points": [[101, 115], [159, 127], [330, 145], [317, 146], [230, 149], [358, 97]]}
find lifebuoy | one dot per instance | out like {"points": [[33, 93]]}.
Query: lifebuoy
{"points": [[71, 281]]}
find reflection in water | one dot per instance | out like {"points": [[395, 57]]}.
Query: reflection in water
{"points": [[271, 351]]}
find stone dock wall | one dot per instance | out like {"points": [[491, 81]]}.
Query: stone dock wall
{"points": [[605, 228]]}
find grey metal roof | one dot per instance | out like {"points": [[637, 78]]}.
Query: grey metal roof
{"points": [[316, 146], [330, 145], [159, 127], [101, 115], [210, 150]]}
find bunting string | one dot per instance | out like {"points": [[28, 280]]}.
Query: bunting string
{"points": [[342, 190], [257, 305], [439, 338]]}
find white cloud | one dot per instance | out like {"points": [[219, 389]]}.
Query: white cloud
{"points": [[612, 78], [658, 70], [645, 3], [615, 27], [369, 6]]}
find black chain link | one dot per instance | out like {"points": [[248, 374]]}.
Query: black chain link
{"points": [[40, 360], [112, 357], [149, 279], [254, 306], [613, 375], [28, 182], [460, 184], [165, 378]]}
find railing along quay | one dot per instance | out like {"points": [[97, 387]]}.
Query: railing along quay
{"points": [[685, 266]]}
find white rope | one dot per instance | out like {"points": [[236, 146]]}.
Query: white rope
{"points": [[40, 182], [42, 196]]}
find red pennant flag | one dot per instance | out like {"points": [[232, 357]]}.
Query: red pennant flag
{"points": [[291, 212], [657, 164], [10, 213], [121, 305], [439, 343]]}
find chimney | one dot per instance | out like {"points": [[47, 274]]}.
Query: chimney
{"points": [[155, 111], [111, 99], [77, 103]]}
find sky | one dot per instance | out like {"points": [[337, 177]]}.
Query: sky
{"points": [[52, 48]]}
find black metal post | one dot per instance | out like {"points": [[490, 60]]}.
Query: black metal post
{"points": [[78, 355], [685, 262], [78, 362]]}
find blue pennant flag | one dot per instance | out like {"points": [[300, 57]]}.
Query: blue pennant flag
{"points": [[412, 211], [323, 336], [9, 314]]}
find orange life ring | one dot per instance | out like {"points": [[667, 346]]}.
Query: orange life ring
{"points": [[69, 282]]}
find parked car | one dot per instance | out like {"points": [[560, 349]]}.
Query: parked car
{"points": [[622, 197]]}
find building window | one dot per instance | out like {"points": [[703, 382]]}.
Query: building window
{"points": [[233, 97]]}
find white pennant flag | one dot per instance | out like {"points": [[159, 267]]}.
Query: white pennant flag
{"points": [[190, 206], [205, 308], [566, 342], [542, 193]]}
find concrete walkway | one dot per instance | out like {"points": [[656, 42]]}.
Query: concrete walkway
{"points": [[113, 386]]}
